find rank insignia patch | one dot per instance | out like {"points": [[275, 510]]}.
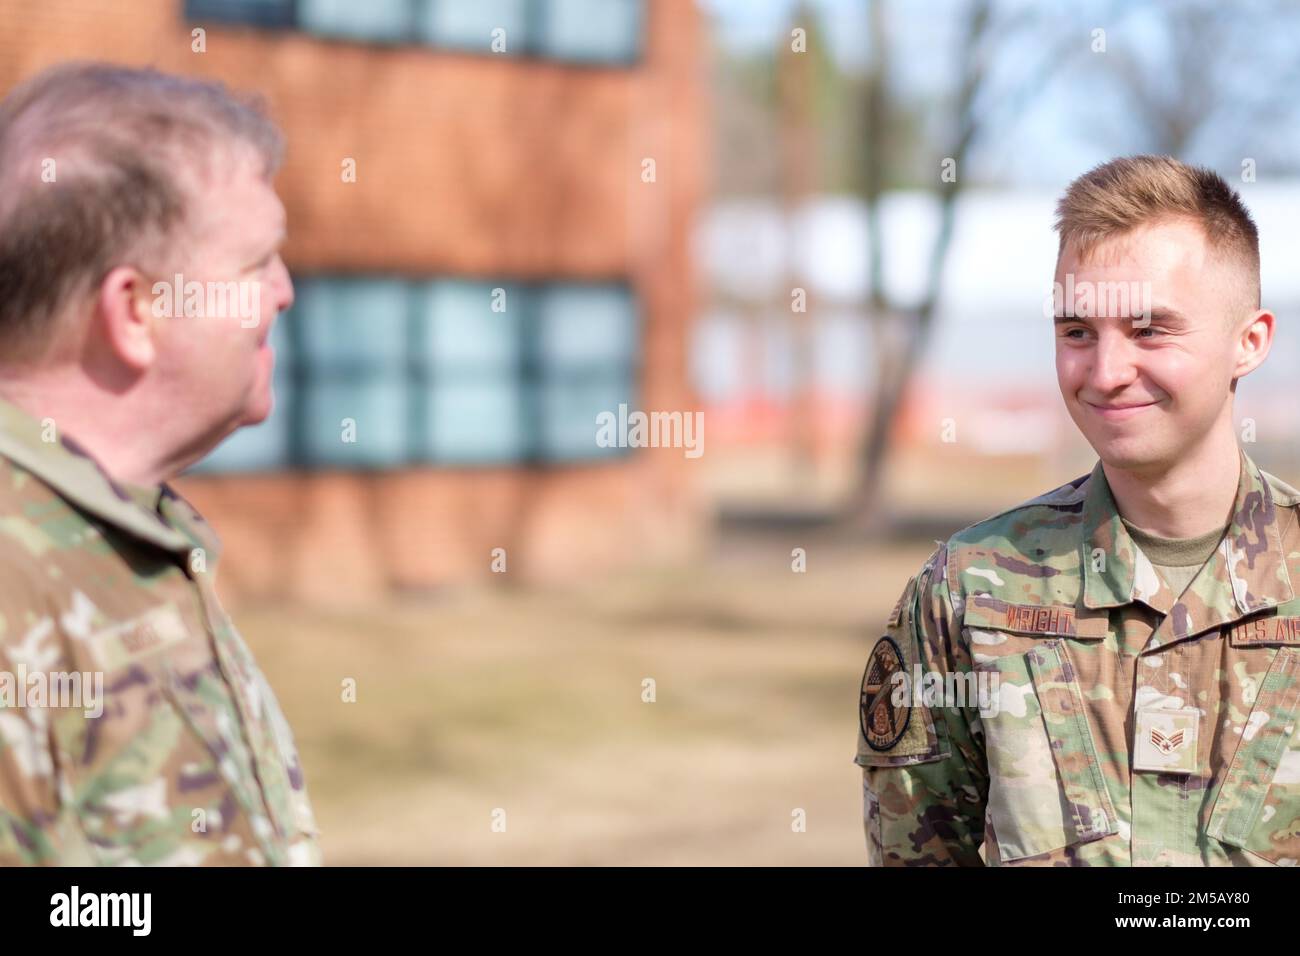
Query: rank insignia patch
{"points": [[1165, 740], [1167, 744], [883, 721]]}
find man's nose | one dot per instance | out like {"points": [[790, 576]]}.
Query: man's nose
{"points": [[1113, 362], [281, 285]]}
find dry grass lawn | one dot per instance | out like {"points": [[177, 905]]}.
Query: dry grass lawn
{"points": [[530, 702]]}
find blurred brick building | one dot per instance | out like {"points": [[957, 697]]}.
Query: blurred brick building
{"points": [[511, 259]]}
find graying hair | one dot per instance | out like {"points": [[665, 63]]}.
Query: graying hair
{"points": [[126, 145]]}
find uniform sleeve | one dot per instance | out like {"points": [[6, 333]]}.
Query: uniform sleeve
{"points": [[920, 742]]}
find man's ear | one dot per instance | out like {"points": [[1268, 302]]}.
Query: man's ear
{"points": [[1253, 342], [125, 311]]}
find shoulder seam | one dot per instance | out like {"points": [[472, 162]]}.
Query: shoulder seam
{"points": [[956, 595], [1037, 501], [1285, 495]]}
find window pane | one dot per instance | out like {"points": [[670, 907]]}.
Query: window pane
{"points": [[468, 24], [346, 323], [474, 422], [378, 408], [372, 20], [568, 413], [464, 385], [592, 327], [606, 31], [459, 332], [258, 13]]}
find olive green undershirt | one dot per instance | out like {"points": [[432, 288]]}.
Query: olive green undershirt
{"points": [[1176, 560]]}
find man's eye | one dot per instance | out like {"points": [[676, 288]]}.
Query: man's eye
{"points": [[1148, 328]]}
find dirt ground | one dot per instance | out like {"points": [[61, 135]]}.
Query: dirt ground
{"points": [[525, 708]]}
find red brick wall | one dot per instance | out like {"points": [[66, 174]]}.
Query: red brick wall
{"points": [[467, 165]]}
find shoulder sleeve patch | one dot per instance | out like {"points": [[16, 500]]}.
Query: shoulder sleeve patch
{"points": [[893, 727]]}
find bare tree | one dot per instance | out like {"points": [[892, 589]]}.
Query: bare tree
{"points": [[1199, 81], [901, 331], [798, 169], [1214, 80]]}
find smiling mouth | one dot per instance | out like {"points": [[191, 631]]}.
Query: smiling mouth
{"points": [[1118, 411]]}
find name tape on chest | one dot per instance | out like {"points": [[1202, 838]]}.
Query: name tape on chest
{"points": [[1060, 620], [122, 644], [1040, 620]]}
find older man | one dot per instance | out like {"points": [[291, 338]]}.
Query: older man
{"points": [[135, 726]]}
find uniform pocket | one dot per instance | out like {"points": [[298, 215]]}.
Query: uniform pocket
{"points": [[1046, 788], [1258, 806]]}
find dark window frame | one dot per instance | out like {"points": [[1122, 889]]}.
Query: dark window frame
{"points": [[200, 13]]}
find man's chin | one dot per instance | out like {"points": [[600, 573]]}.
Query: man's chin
{"points": [[255, 417], [1130, 454], [1118, 451], [258, 409], [261, 394]]}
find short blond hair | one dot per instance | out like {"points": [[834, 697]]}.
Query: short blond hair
{"points": [[1114, 198]]}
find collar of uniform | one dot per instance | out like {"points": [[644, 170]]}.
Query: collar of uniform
{"points": [[71, 471], [183, 516], [146, 497], [1245, 574]]}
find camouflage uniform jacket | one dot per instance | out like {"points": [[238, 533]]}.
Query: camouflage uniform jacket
{"points": [[189, 759], [1123, 726]]}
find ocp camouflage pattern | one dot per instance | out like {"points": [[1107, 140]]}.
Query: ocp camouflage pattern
{"points": [[1088, 645], [191, 760]]}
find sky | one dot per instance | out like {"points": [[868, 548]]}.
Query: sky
{"points": [[1074, 120]]}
